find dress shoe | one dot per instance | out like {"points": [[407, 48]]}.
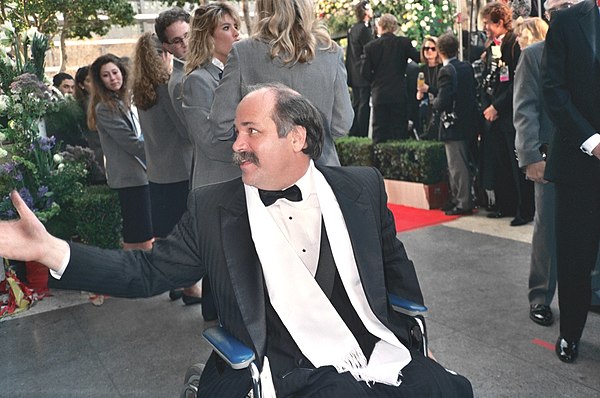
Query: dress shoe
{"points": [[175, 294], [541, 314], [496, 214], [457, 211], [190, 300], [567, 351], [448, 206], [518, 221]]}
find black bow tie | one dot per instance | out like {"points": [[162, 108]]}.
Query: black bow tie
{"points": [[269, 197]]}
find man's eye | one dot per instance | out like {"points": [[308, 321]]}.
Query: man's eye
{"points": [[252, 131]]}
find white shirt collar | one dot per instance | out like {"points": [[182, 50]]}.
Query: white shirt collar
{"points": [[218, 63]]}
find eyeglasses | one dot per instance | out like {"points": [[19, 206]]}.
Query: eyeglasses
{"points": [[178, 41], [425, 48]]}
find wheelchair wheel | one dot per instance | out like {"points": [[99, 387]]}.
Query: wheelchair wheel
{"points": [[191, 381]]}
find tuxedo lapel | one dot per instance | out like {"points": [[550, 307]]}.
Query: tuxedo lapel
{"points": [[360, 218], [244, 268]]}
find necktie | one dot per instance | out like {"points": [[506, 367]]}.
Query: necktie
{"points": [[269, 197]]}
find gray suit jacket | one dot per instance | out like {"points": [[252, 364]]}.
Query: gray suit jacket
{"points": [[530, 118], [168, 148], [214, 237], [212, 156], [123, 149], [323, 81]]}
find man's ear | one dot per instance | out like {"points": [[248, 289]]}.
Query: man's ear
{"points": [[297, 137]]}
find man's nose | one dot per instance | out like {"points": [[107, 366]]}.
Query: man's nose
{"points": [[239, 144]]}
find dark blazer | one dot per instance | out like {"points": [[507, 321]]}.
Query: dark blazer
{"points": [[502, 97], [456, 92], [202, 243], [385, 67], [358, 36], [571, 79]]}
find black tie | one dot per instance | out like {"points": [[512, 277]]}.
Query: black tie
{"points": [[269, 197]]}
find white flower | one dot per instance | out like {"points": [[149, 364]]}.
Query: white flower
{"points": [[7, 26], [408, 6], [3, 153], [2, 137], [57, 158], [445, 7], [426, 19], [422, 23], [3, 106], [61, 166], [31, 32]]}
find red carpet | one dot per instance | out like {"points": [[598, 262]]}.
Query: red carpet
{"points": [[408, 218]]}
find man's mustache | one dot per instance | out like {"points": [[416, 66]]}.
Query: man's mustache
{"points": [[241, 157]]}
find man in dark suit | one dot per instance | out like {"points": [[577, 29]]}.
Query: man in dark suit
{"points": [[456, 95], [358, 36], [385, 67], [571, 81], [310, 298]]}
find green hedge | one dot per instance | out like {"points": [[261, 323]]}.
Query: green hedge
{"points": [[93, 218], [407, 160], [355, 151], [99, 217]]}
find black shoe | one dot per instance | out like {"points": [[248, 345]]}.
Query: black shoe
{"points": [[566, 351], [175, 294], [496, 214], [518, 221], [191, 300], [457, 211], [541, 314], [448, 206]]}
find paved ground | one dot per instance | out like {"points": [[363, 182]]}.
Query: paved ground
{"points": [[473, 273]]}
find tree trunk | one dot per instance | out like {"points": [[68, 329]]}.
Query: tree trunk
{"points": [[247, 19], [63, 44]]}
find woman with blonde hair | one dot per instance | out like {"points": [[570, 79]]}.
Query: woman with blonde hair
{"points": [[214, 28], [530, 30], [291, 47], [125, 161]]}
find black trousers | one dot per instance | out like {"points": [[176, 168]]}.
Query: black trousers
{"points": [[577, 239], [362, 111], [390, 122], [422, 377]]}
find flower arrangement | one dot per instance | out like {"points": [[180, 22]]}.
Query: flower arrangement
{"points": [[417, 18]]}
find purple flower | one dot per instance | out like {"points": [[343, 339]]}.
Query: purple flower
{"points": [[26, 196], [46, 144], [42, 190], [18, 176], [10, 213], [7, 167]]}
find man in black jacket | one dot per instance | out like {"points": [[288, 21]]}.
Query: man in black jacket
{"points": [[358, 36], [385, 67], [456, 98]]}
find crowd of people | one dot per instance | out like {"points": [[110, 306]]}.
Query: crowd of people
{"points": [[167, 124]]}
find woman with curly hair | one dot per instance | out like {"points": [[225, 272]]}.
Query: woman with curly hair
{"points": [[289, 46], [214, 29], [110, 114], [168, 149]]}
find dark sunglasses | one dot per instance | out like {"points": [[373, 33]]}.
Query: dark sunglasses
{"points": [[425, 48]]}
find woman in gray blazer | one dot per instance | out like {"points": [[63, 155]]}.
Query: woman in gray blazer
{"points": [[110, 114], [167, 146], [300, 55], [213, 31]]}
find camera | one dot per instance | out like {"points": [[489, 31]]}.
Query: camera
{"points": [[448, 119]]}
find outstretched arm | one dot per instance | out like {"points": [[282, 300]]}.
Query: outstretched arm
{"points": [[26, 239]]}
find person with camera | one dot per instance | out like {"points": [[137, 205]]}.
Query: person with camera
{"points": [[457, 108]]}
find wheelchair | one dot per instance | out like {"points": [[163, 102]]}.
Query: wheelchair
{"points": [[239, 356]]}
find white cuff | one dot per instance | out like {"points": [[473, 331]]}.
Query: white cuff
{"points": [[63, 266], [591, 143]]}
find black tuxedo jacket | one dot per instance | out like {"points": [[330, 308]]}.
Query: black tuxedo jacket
{"points": [[456, 92], [385, 67], [502, 97], [571, 79], [358, 36], [213, 238]]}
